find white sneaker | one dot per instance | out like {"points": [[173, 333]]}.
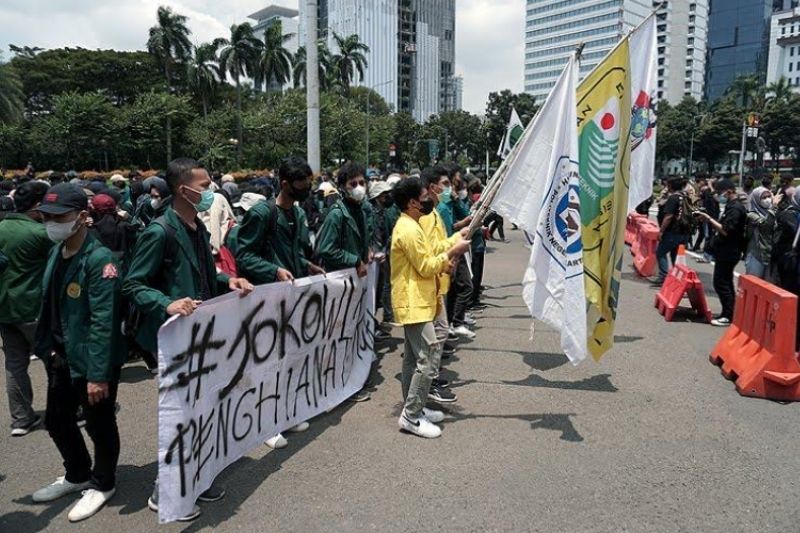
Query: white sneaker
{"points": [[721, 322], [464, 331], [60, 487], [153, 506], [299, 428], [277, 442], [21, 432], [469, 321], [92, 501], [433, 415], [419, 426]]}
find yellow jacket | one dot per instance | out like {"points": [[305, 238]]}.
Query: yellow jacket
{"points": [[434, 229], [415, 267]]}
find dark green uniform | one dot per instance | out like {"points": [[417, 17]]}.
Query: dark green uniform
{"points": [[152, 283], [88, 300], [343, 240], [260, 252], [26, 248]]}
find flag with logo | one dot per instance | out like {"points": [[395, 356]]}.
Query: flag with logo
{"points": [[513, 134], [603, 118], [541, 194], [644, 83]]}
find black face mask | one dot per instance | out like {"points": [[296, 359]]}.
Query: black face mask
{"points": [[300, 195], [427, 207]]}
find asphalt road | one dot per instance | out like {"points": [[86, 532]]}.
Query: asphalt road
{"points": [[650, 439]]}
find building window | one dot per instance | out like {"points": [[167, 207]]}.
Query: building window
{"points": [[687, 85], [691, 30], [791, 51], [691, 19], [791, 65], [690, 41], [688, 74], [692, 7], [797, 81], [689, 63], [660, 83], [783, 30], [661, 72]]}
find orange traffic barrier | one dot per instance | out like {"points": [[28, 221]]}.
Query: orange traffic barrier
{"points": [[682, 282], [644, 258], [758, 349]]}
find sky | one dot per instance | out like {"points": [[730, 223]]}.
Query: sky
{"points": [[489, 33]]}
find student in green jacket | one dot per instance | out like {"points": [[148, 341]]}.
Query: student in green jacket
{"points": [[78, 336], [172, 270], [272, 237], [343, 241], [25, 245]]}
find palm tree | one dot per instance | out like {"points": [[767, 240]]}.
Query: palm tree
{"points": [[299, 65], [349, 60], [169, 44], [203, 73], [11, 96], [239, 57], [744, 88], [274, 61], [779, 91]]}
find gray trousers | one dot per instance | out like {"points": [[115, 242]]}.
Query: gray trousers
{"points": [[18, 347], [421, 358]]}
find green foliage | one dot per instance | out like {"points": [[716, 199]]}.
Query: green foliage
{"points": [[11, 95], [274, 63], [498, 113], [781, 124], [349, 60]]}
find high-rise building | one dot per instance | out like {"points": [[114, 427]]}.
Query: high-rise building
{"points": [[554, 28], [738, 41], [458, 93], [682, 27], [784, 48], [287, 18], [412, 48]]}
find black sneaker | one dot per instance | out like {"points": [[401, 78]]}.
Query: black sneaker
{"points": [[441, 395], [439, 383], [360, 396], [212, 494]]}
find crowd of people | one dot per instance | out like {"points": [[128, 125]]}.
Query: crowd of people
{"points": [[90, 269], [756, 224]]}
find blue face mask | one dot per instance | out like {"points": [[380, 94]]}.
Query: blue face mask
{"points": [[206, 200], [446, 194], [722, 199]]}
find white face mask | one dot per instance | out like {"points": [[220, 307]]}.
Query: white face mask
{"points": [[359, 193], [155, 203], [766, 203], [462, 194], [60, 231]]}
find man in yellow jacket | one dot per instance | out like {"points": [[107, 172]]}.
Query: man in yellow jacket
{"points": [[415, 268]]}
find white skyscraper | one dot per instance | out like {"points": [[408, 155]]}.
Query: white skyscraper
{"points": [[784, 48], [682, 27]]}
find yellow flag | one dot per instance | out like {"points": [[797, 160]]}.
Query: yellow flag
{"points": [[604, 116]]}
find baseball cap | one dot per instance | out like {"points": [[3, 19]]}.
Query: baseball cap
{"points": [[117, 178], [103, 204], [378, 188], [249, 200], [63, 198]]}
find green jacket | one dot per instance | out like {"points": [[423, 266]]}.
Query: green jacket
{"points": [[260, 252], [153, 283], [90, 312], [24, 243], [343, 241]]}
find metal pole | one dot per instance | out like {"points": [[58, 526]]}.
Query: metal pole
{"points": [[368, 91], [691, 153], [741, 153], [312, 87]]}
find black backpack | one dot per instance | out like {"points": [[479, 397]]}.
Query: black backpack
{"points": [[685, 220]]}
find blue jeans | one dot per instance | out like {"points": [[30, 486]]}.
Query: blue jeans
{"points": [[668, 245]]}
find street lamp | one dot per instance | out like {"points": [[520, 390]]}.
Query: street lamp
{"points": [[691, 143], [369, 91]]}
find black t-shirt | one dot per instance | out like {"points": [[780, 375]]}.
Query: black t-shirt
{"points": [[54, 300], [734, 220], [671, 207], [203, 252]]}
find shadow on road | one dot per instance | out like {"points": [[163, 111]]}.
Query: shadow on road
{"points": [[37, 522], [626, 338], [551, 421], [598, 383]]}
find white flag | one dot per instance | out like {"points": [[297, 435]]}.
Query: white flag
{"points": [[644, 83], [513, 133], [541, 194]]}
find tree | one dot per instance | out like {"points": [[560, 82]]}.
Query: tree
{"points": [[498, 113], [781, 126], [274, 61], [675, 127], [140, 132], [780, 90], [720, 132], [239, 57], [169, 44], [299, 65], [459, 134], [11, 95], [744, 89], [349, 60], [203, 73], [406, 132]]}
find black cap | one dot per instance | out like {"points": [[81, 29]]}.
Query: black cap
{"points": [[725, 184], [63, 198]]}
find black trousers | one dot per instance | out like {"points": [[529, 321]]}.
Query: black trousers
{"points": [[477, 275], [460, 294], [723, 285], [64, 395]]}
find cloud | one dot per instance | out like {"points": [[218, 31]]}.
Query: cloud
{"points": [[489, 33]]}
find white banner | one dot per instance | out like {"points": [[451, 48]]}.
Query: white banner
{"points": [[241, 370], [644, 67]]}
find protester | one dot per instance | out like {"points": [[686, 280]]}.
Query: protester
{"points": [[727, 247], [785, 248], [469, 196], [25, 247], [675, 221], [108, 228], [248, 201], [218, 220], [415, 268], [760, 230], [709, 204], [78, 336], [172, 269]]}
